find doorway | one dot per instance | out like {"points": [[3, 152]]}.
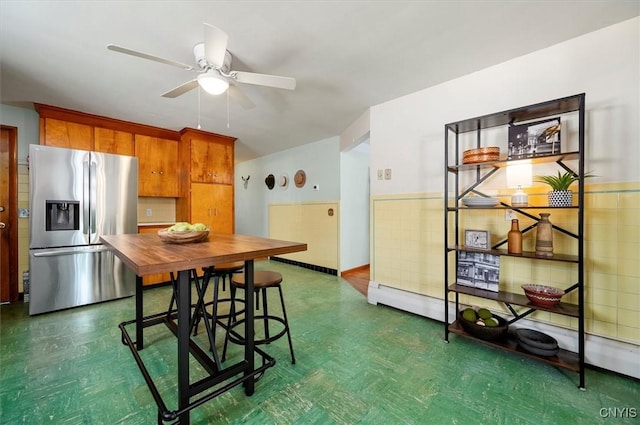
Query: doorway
{"points": [[8, 215]]}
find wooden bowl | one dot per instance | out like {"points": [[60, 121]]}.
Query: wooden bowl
{"points": [[544, 296], [182, 237], [487, 333], [489, 153]]}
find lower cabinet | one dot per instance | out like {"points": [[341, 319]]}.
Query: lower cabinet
{"points": [[153, 279], [212, 204]]}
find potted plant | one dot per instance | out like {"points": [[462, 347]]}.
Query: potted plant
{"points": [[560, 195]]}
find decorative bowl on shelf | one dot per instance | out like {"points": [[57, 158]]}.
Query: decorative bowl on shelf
{"points": [[479, 202], [537, 342], [542, 295], [486, 154], [179, 237], [487, 333]]}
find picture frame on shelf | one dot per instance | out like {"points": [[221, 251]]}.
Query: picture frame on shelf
{"points": [[540, 138], [477, 239], [479, 270]]}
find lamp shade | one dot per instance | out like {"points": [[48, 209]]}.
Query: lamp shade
{"points": [[519, 174], [213, 83]]}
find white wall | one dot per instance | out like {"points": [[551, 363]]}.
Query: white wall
{"points": [[28, 123], [321, 163], [354, 207], [407, 134]]}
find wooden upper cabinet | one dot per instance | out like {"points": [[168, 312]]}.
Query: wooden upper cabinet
{"points": [[113, 141], [211, 162], [157, 166], [65, 134]]}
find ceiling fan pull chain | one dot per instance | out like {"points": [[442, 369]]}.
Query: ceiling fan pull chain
{"points": [[227, 108], [199, 127]]}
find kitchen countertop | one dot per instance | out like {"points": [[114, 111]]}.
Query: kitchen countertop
{"points": [[169, 223]]}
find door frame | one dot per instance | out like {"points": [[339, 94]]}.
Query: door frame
{"points": [[9, 289]]}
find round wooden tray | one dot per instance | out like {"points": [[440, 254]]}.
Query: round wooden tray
{"points": [[489, 153], [182, 237]]}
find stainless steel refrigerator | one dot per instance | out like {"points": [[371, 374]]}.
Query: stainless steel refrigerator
{"points": [[77, 196]]}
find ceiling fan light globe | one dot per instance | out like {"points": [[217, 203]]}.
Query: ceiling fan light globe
{"points": [[213, 84]]}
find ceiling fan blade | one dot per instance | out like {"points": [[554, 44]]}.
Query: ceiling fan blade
{"points": [[264, 80], [238, 95], [181, 89], [126, 51], [215, 45]]}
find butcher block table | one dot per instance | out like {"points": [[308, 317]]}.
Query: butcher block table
{"points": [[147, 254]]}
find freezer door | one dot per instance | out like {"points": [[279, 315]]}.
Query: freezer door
{"points": [[57, 176], [113, 195], [70, 277]]}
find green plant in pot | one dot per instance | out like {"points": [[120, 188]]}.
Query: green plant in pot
{"points": [[560, 195]]}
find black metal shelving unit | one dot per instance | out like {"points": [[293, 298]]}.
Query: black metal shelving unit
{"points": [[517, 304]]}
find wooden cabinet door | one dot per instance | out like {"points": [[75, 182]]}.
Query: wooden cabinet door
{"points": [[113, 141], [158, 277], [66, 134], [212, 204], [157, 166], [211, 162]]}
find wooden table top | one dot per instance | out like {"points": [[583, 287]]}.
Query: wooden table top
{"points": [[146, 254]]}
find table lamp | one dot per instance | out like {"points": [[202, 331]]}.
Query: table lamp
{"points": [[519, 176]]}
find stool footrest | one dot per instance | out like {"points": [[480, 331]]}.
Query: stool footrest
{"points": [[237, 338]]}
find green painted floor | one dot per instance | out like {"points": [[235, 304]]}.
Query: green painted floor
{"points": [[356, 364]]}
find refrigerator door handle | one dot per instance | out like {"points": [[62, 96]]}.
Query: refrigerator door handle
{"points": [[85, 198], [70, 251], [93, 196]]}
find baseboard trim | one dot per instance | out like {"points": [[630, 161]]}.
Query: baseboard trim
{"points": [[616, 356], [314, 267]]}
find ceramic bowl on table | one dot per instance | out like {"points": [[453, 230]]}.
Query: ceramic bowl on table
{"points": [[542, 295]]}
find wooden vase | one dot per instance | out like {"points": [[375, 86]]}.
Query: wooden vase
{"points": [[544, 236]]}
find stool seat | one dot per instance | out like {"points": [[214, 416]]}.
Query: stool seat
{"points": [[228, 267], [261, 279]]}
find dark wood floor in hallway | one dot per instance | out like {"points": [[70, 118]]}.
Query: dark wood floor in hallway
{"points": [[358, 278]]}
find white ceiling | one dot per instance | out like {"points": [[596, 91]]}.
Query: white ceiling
{"points": [[345, 55]]}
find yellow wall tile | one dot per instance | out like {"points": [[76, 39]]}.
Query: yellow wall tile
{"points": [[612, 244]]}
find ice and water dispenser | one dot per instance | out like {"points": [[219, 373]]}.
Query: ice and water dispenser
{"points": [[62, 215]]}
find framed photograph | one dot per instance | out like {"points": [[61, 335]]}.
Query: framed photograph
{"points": [[534, 139], [479, 270], [478, 239]]}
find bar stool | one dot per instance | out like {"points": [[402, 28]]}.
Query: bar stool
{"points": [[220, 271], [262, 280]]}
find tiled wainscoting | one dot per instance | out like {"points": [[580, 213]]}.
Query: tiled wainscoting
{"points": [[407, 255]]}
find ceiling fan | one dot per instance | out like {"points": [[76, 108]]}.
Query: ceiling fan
{"points": [[213, 63]]}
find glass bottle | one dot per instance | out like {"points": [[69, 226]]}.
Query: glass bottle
{"points": [[514, 238], [544, 236]]}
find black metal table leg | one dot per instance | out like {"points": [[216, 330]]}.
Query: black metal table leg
{"points": [[249, 384], [139, 314], [184, 319]]}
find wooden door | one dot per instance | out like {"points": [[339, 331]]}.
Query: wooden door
{"points": [[66, 134], [212, 204], [157, 166], [211, 162], [113, 141], [8, 215]]}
